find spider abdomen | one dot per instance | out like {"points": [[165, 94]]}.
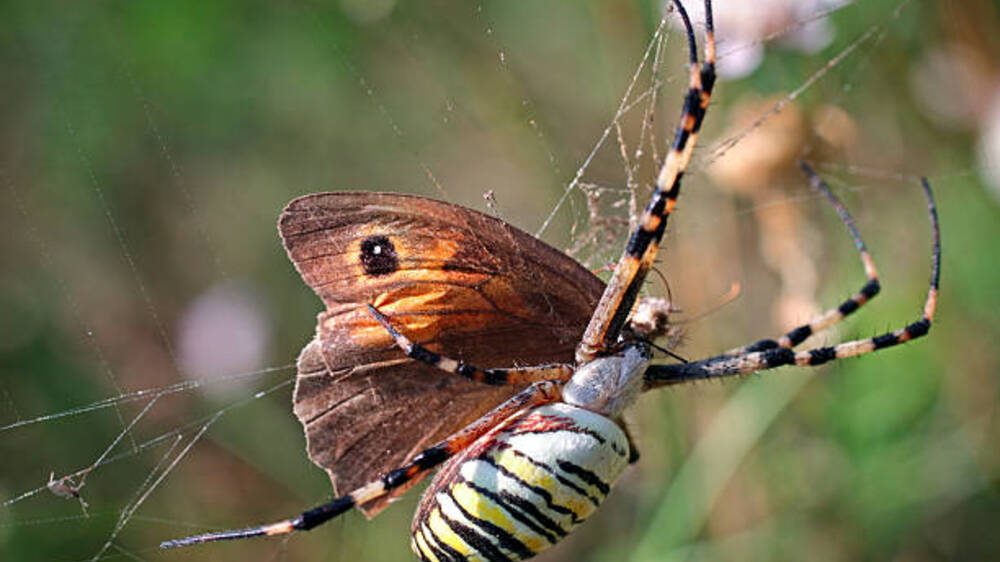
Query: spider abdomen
{"points": [[522, 487]]}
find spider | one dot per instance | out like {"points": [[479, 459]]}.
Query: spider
{"points": [[68, 488], [525, 453]]}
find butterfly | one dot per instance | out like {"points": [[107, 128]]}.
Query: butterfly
{"points": [[460, 282]]}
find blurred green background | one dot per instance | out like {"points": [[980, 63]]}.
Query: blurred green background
{"points": [[146, 150]]}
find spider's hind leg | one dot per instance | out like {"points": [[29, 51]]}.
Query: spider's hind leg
{"points": [[494, 377]]}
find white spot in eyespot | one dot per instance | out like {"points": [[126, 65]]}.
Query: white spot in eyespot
{"points": [[377, 250]]}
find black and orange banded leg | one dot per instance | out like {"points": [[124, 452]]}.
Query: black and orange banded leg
{"points": [[537, 394], [494, 377], [619, 297], [729, 365], [827, 319]]}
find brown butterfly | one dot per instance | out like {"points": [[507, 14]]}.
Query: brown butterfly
{"points": [[462, 283]]}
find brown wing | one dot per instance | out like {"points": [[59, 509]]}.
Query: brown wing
{"points": [[462, 283]]}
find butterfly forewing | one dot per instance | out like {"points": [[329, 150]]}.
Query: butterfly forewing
{"points": [[459, 282]]}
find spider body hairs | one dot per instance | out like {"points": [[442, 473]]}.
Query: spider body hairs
{"points": [[418, 292]]}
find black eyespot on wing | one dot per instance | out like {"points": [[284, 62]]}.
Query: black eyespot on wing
{"points": [[378, 256]]}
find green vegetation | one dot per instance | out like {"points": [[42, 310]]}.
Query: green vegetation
{"points": [[146, 150]]}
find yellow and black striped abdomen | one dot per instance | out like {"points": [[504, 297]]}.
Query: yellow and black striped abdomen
{"points": [[522, 487]]}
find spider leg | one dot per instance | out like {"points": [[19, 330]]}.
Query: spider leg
{"points": [[823, 321], [633, 452], [493, 377], [750, 362], [623, 288], [537, 394]]}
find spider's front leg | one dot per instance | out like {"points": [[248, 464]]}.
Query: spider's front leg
{"points": [[619, 297], [494, 377], [538, 394]]}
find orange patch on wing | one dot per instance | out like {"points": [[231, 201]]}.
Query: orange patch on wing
{"points": [[422, 312]]}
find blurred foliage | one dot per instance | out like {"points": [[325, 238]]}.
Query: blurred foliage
{"points": [[147, 148]]}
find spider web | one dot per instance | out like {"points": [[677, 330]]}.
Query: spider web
{"points": [[116, 437]]}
